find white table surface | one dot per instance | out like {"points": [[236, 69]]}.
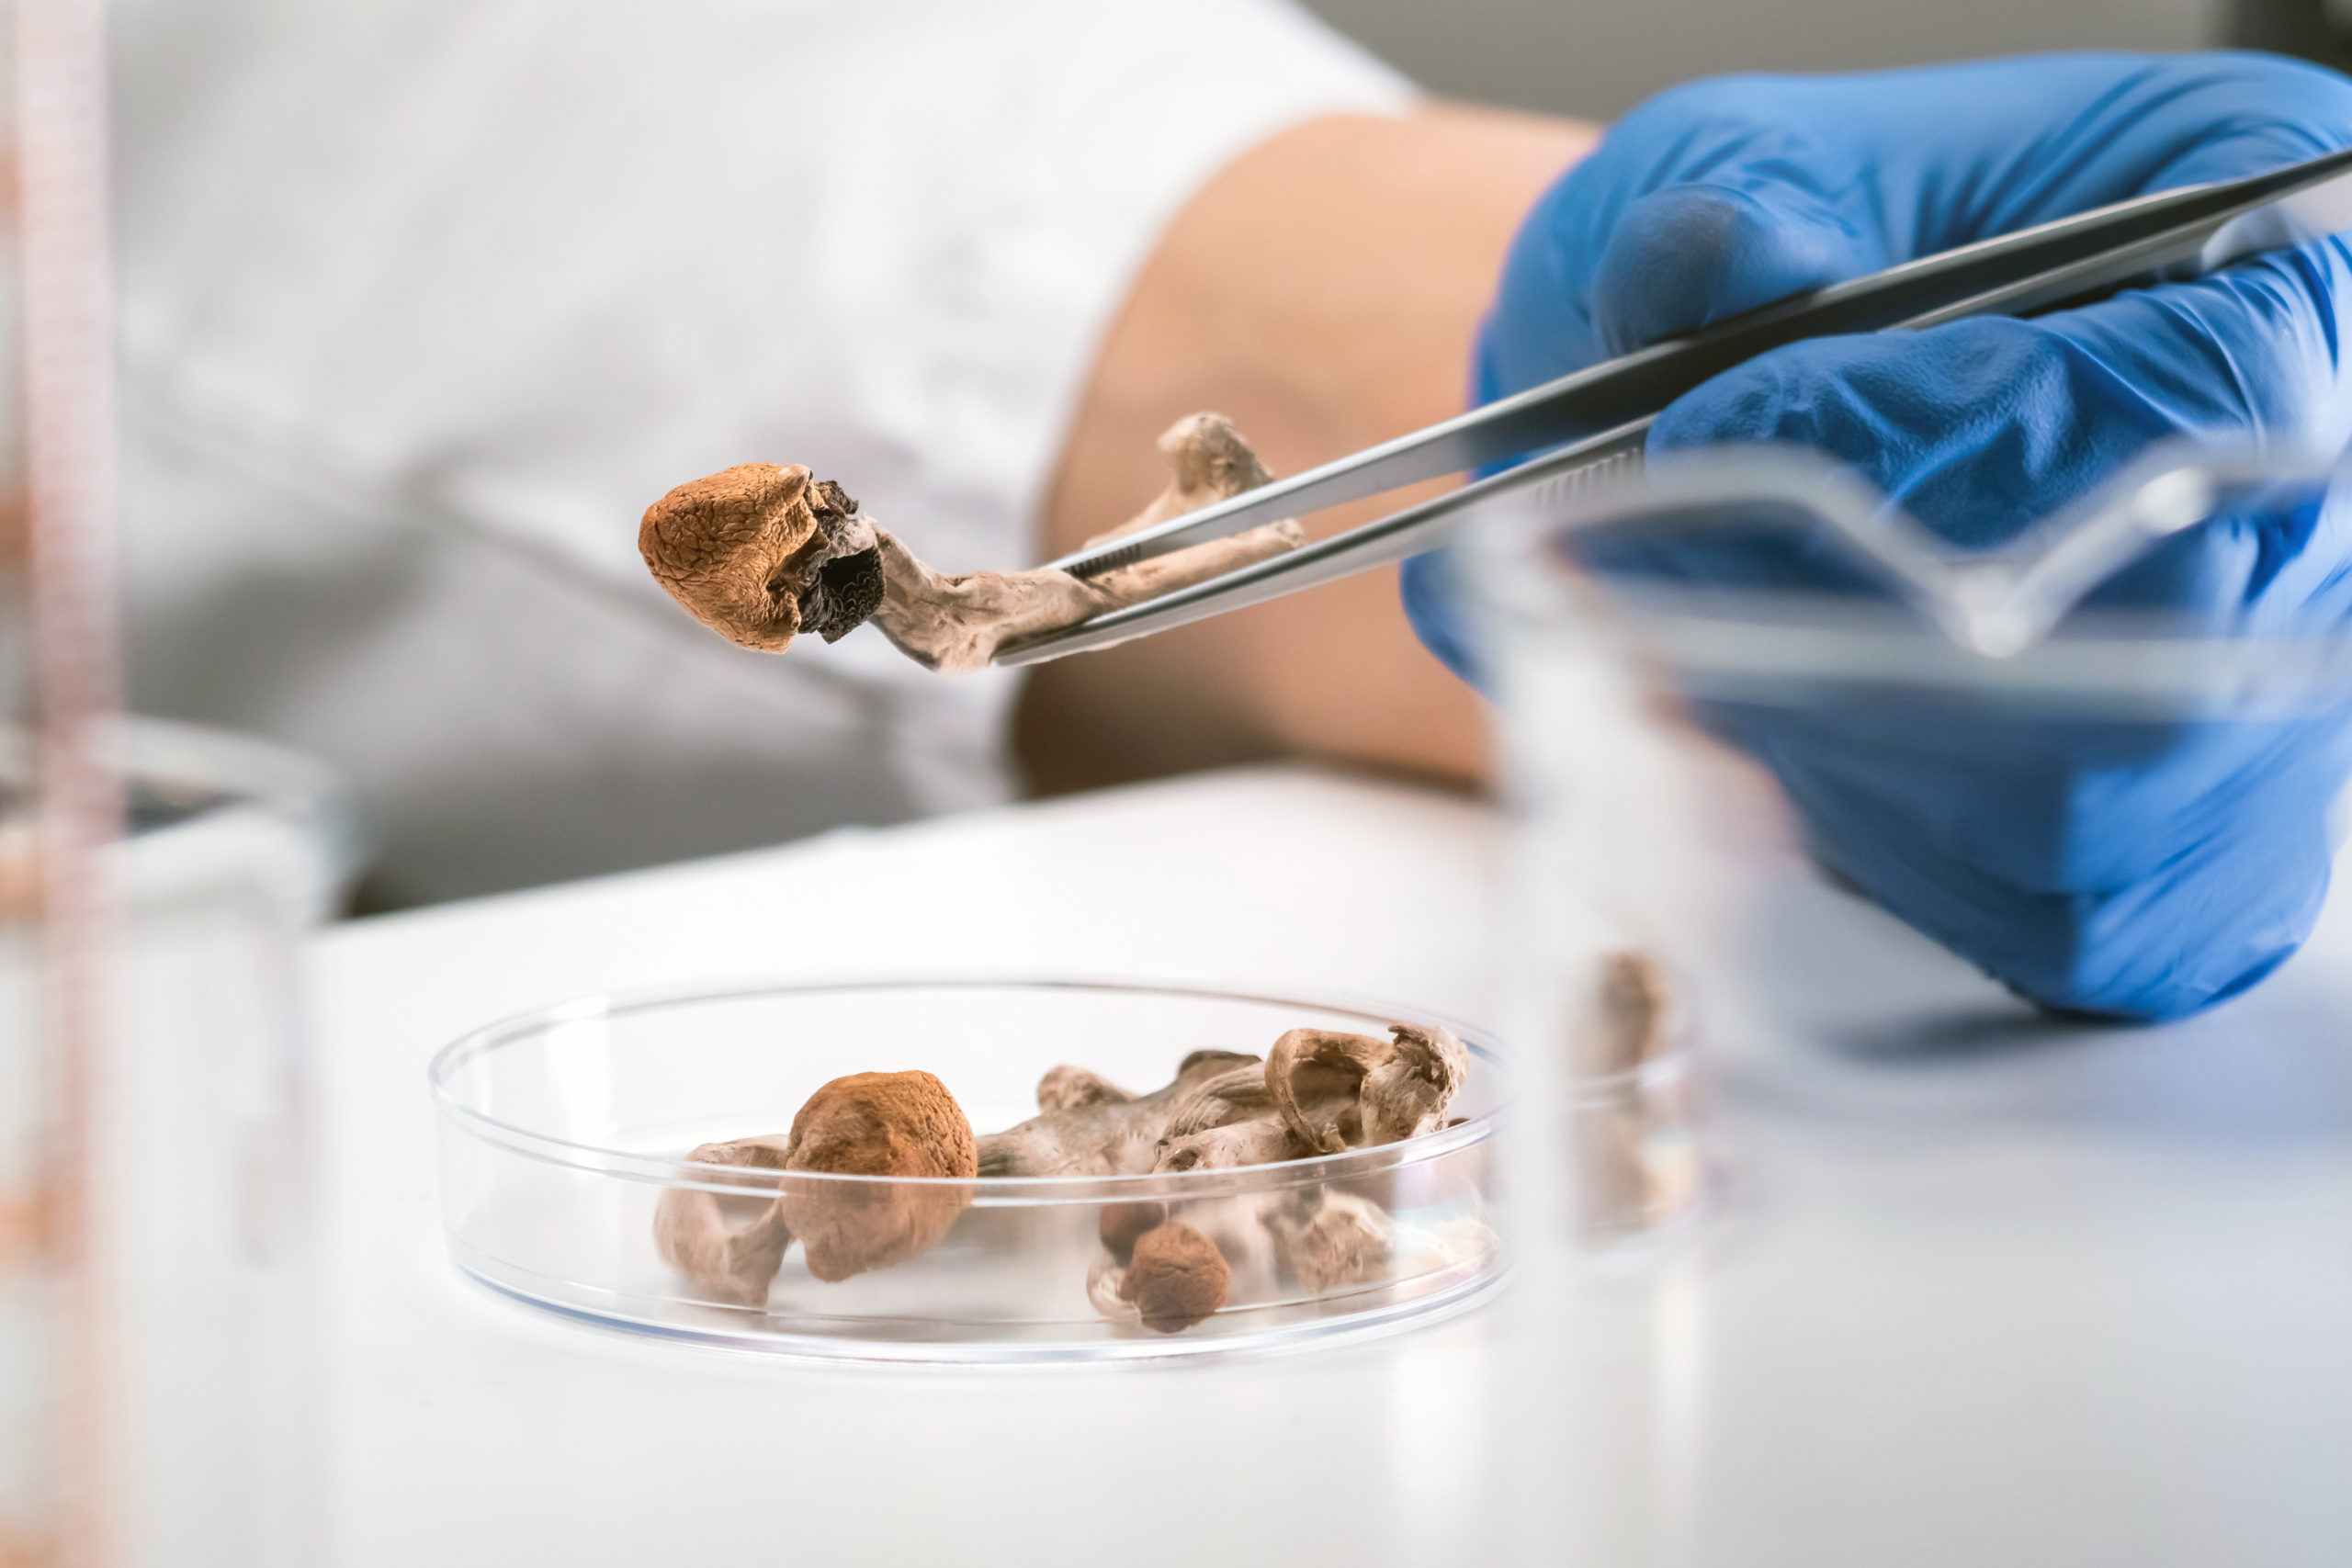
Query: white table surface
{"points": [[1984, 1292]]}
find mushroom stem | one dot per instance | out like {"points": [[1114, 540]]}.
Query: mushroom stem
{"points": [[1092, 1128], [702, 1233]]}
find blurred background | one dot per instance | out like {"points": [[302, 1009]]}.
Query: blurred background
{"points": [[1600, 57], [404, 352]]}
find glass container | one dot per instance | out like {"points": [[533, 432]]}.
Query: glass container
{"points": [[198, 1144], [1805, 800], [1749, 707], [564, 1131]]}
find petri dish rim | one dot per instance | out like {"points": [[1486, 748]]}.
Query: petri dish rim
{"points": [[478, 1044]]}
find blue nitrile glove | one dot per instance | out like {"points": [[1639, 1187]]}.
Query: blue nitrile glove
{"points": [[2141, 871]]}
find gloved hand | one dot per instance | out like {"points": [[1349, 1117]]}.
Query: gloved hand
{"points": [[2142, 871]]}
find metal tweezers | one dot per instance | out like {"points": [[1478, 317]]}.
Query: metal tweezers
{"points": [[1592, 424]]}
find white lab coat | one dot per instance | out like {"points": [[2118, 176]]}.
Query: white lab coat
{"points": [[423, 301]]}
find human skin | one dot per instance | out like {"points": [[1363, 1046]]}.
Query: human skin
{"points": [[1322, 292]]}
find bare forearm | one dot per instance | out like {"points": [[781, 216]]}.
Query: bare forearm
{"points": [[1322, 292]]}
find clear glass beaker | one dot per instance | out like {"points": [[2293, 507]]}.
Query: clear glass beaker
{"points": [[2114, 746], [1755, 719], [197, 1379]]}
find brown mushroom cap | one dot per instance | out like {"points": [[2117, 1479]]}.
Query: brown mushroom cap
{"points": [[1176, 1279], [733, 548], [758, 553], [902, 1124]]}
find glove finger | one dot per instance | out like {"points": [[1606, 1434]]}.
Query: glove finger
{"points": [[1907, 806], [1434, 600], [1903, 163], [1981, 427], [1687, 256], [2138, 869]]}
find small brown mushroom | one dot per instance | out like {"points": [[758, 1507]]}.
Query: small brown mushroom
{"points": [[1338, 1092], [704, 1234], [759, 552], [1177, 1278], [902, 1124]]}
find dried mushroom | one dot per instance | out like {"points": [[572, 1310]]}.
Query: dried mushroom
{"points": [[1636, 1014], [1321, 1092], [1262, 1140], [1640, 1169], [1177, 1278], [1166, 1264], [1090, 1127], [1338, 1092], [1328, 1241], [904, 1125], [1224, 1121], [759, 553], [730, 1246]]}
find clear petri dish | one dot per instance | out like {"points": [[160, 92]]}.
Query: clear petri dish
{"points": [[561, 1131]]}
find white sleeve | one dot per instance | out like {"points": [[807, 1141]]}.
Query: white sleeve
{"points": [[515, 267]]}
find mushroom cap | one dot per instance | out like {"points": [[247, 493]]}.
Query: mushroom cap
{"points": [[903, 1124], [758, 553], [736, 549], [1176, 1277]]}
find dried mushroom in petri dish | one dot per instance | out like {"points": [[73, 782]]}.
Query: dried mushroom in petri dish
{"points": [[1176, 1279], [903, 1124], [1166, 1265]]}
